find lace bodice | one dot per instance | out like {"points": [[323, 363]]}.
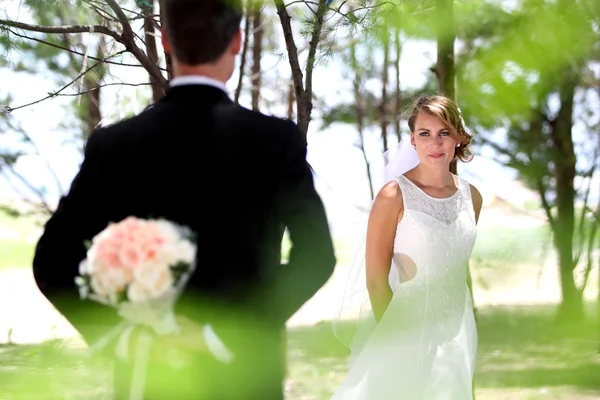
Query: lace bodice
{"points": [[437, 235], [445, 210]]}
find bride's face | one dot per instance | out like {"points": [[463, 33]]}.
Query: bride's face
{"points": [[434, 142]]}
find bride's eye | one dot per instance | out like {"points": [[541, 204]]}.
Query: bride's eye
{"points": [[444, 133], [424, 134]]}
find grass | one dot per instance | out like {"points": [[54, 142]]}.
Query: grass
{"points": [[50, 371], [522, 354], [509, 245], [17, 240]]}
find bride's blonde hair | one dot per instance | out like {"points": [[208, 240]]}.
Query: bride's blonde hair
{"points": [[448, 112]]}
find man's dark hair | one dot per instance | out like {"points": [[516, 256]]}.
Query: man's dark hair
{"points": [[199, 31]]}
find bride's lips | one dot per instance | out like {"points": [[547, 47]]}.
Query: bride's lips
{"points": [[439, 155]]}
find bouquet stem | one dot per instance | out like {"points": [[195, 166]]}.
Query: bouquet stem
{"points": [[140, 366]]}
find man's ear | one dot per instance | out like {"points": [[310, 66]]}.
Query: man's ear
{"points": [[165, 41], [236, 43]]}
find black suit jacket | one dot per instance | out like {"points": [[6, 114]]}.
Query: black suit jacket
{"points": [[235, 177]]}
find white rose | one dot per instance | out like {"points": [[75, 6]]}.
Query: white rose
{"points": [[109, 282], [167, 254], [168, 231], [92, 260], [186, 251], [104, 234], [156, 279], [84, 267], [82, 286], [100, 288], [121, 277], [136, 293]]}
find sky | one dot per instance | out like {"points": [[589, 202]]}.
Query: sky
{"points": [[341, 175]]}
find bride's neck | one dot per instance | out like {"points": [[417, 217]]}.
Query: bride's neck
{"points": [[433, 177]]}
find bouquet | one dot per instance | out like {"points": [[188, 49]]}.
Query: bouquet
{"points": [[140, 267]]}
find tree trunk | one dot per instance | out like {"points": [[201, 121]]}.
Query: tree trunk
{"points": [[360, 114], [397, 92], [257, 42], [565, 160], [303, 90], [91, 83], [244, 55], [445, 72], [446, 35], [151, 48], [291, 100], [94, 115], [168, 61], [383, 106], [445, 69], [598, 300]]}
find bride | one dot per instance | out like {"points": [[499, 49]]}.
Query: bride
{"points": [[415, 336]]}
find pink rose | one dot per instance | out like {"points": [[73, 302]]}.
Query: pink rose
{"points": [[151, 252], [107, 254], [130, 224], [131, 255], [118, 233], [148, 236]]}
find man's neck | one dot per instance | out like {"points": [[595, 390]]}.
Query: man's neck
{"points": [[209, 71]]}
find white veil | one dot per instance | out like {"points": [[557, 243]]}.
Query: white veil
{"points": [[354, 320]]}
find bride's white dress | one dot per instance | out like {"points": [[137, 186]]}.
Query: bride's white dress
{"points": [[424, 346]]}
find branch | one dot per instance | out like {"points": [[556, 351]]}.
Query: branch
{"points": [[313, 44], [128, 39], [138, 15], [499, 149], [63, 29], [592, 233], [44, 204], [541, 188], [292, 50], [584, 210], [590, 252], [364, 16], [39, 154], [539, 184], [151, 48], [338, 9], [102, 86], [51, 95], [73, 51], [102, 13]]}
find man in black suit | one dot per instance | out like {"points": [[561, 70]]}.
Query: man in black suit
{"points": [[238, 179]]}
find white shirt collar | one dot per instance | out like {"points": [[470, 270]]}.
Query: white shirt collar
{"points": [[197, 80]]}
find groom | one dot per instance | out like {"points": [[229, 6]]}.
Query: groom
{"points": [[238, 179]]}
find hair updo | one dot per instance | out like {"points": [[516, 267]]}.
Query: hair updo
{"points": [[447, 111]]}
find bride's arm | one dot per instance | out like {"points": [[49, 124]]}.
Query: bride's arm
{"points": [[381, 231]]}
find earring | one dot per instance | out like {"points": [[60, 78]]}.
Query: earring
{"points": [[458, 145], [414, 146]]}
